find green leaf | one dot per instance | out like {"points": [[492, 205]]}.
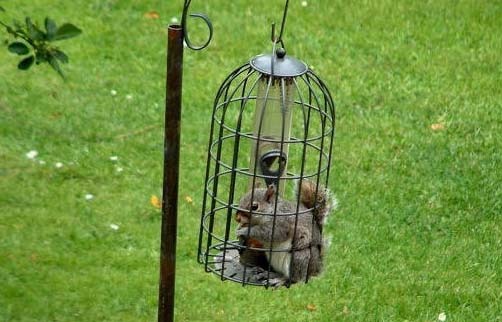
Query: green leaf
{"points": [[17, 24], [33, 31], [26, 63], [55, 65], [50, 28], [66, 31], [61, 56], [2, 9], [18, 48], [41, 57]]}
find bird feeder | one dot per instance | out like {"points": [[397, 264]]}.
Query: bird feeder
{"points": [[273, 123]]}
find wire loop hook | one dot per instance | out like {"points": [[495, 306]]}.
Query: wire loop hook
{"points": [[278, 40], [283, 23], [202, 16]]}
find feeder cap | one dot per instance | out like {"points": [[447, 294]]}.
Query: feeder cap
{"points": [[284, 66]]}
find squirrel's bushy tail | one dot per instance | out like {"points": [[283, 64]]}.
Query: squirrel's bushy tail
{"points": [[321, 201]]}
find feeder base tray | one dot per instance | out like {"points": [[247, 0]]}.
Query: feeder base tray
{"points": [[228, 266]]}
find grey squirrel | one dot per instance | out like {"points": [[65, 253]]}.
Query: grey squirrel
{"points": [[296, 255]]}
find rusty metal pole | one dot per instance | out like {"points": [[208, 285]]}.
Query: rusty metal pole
{"points": [[171, 171]]}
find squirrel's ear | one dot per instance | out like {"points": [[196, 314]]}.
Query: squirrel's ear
{"points": [[270, 193]]}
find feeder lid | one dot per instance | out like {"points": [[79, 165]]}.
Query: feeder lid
{"points": [[284, 66]]}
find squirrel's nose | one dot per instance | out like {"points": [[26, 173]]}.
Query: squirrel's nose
{"points": [[238, 216], [241, 218]]}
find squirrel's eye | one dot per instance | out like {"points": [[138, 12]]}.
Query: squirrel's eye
{"points": [[254, 206]]}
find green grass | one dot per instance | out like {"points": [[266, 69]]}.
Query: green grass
{"points": [[418, 230]]}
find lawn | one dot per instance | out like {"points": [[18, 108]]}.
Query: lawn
{"points": [[417, 162]]}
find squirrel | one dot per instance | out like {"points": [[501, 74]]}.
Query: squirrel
{"points": [[269, 221]]}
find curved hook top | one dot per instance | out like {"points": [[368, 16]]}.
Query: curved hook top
{"points": [[283, 23], [278, 40], [205, 18], [207, 21]]}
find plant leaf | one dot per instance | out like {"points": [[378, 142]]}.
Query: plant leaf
{"points": [[17, 24], [2, 9], [61, 56], [50, 28], [55, 65], [18, 48], [33, 31], [41, 56], [26, 63], [66, 31]]}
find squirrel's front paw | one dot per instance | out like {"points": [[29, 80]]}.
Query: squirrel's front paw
{"points": [[278, 282], [242, 232]]}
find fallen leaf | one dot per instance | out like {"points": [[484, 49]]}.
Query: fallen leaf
{"points": [[152, 15], [188, 199], [155, 201], [437, 126], [311, 307], [346, 310]]}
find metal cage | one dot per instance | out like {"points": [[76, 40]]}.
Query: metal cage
{"points": [[273, 123]]}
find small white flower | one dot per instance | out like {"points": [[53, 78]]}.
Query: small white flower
{"points": [[32, 154], [304, 3], [129, 97], [41, 162], [89, 196], [174, 20], [58, 165], [119, 169], [114, 158], [113, 92], [442, 317], [114, 227]]}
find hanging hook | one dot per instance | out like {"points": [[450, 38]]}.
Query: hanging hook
{"points": [[185, 28], [283, 23], [278, 40]]}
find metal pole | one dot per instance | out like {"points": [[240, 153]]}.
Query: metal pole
{"points": [[171, 171]]}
